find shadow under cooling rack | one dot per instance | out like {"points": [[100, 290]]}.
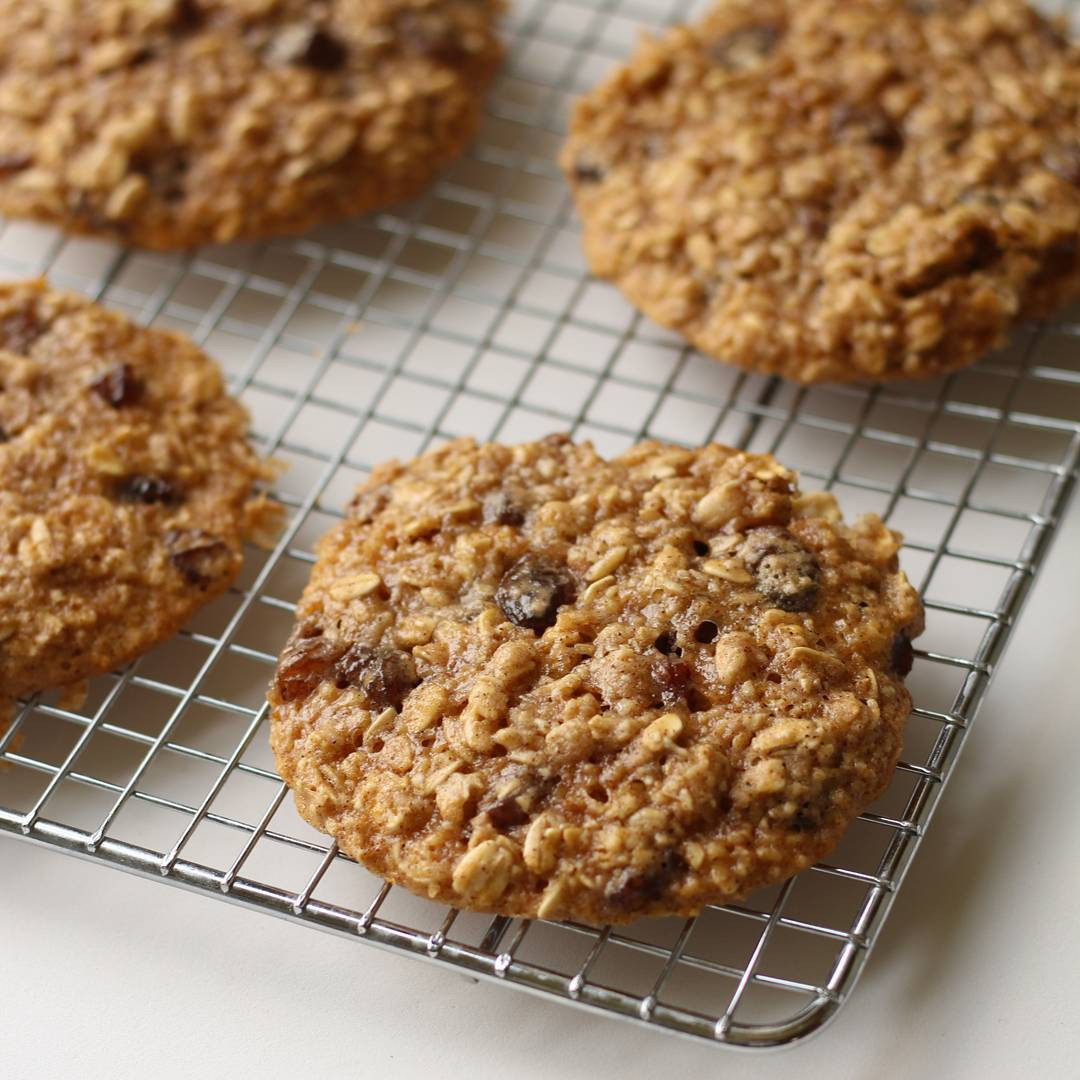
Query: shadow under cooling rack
{"points": [[469, 312]]}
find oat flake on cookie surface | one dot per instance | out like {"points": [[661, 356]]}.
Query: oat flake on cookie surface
{"points": [[528, 680], [173, 123], [125, 487], [839, 189]]}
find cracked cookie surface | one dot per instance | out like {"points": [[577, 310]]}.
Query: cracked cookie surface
{"points": [[528, 680], [174, 123], [838, 191], [125, 487]]}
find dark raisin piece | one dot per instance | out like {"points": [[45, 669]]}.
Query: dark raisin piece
{"points": [[585, 172], [501, 509], [13, 162], [507, 813], [706, 632], [325, 52], [744, 48], [701, 548], [868, 124], [786, 573], [634, 890], [19, 331], [977, 251], [366, 504], [672, 678], [1059, 260], [665, 643], [532, 591], [431, 34], [186, 15], [672, 864], [983, 251], [556, 438], [4, 437], [384, 674], [1064, 161], [200, 557], [149, 490], [165, 169], [306, 662], [805, 818], [119, 386], [307, 45], [518, 793], [882, 132], [901, 654]]}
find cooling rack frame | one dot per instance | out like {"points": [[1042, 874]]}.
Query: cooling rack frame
{"points": [[469, 311]]}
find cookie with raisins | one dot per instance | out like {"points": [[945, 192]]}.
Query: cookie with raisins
{"points": [[528, 680], [186, 122], [838, 191], [126, 487]]}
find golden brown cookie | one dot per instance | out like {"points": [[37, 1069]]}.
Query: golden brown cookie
{"points": [[125, 487], [530, 681], [172, 123], [829, 190]]}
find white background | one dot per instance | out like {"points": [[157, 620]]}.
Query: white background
{"points": [[975, 975]]}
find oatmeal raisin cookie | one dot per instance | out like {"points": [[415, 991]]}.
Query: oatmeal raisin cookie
{"points": [[173, 123], [125, 487], [530, 681], [830, 190]]}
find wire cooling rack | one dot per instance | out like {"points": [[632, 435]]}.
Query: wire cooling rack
{"points": [[469, 312]]}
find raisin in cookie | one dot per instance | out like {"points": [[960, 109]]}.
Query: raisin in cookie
{"points": [[530, 681], [172, 123], [830, 190], [125, 487]]}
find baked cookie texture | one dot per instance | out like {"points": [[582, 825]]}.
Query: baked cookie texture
{"points": [[530, 681], [125, 487], [828, 190], [174, 123]]}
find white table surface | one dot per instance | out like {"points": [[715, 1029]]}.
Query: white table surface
{"points": [[976, 973]]}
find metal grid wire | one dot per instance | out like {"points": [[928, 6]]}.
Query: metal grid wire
{"points": [[469, 312]]}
